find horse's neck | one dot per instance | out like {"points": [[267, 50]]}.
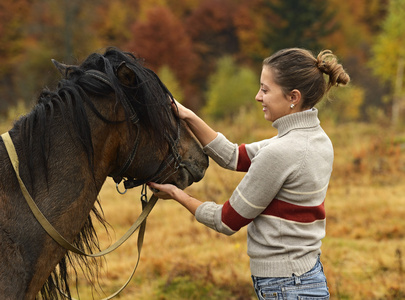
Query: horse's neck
{"points": [[69, 190], [65, 196]]}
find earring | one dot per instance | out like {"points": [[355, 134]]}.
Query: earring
{"points": [[292, 106]]}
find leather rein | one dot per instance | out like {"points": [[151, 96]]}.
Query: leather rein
{"points": [[174, 158]]}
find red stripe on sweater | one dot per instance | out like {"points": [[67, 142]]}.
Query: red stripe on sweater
{"points": [[243, 159], [232, 219], [297, 213]]}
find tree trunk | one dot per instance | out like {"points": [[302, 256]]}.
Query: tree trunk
{"points": [[396, 104]]}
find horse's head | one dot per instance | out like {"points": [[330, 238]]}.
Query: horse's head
{"points": [[146, 141]]}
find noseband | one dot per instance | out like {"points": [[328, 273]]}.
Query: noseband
{"points": [[169, 165]]}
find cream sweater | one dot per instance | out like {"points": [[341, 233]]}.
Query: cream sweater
{"points": [[281, 197]]}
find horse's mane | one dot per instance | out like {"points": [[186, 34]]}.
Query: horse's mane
{"points": [[149, 99]]}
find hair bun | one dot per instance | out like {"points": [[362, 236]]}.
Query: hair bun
{"points": [[327, 63], [321, 64]]}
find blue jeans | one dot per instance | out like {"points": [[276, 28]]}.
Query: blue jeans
{"points": [[311, 285]]}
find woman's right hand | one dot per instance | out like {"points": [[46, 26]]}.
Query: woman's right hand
{"points": [[204, 133], [180, 110]]}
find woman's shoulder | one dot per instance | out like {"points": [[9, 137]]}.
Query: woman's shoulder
{"points": [[276, 149], [289, 146]]}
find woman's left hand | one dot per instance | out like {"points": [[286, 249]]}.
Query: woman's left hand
{"points": [[165, 191], [170, 191]]}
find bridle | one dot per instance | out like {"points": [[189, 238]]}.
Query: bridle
{"points": [[167, 168], [169, 165]]}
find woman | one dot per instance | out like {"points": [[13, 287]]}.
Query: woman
{"points": [[282, 195]]}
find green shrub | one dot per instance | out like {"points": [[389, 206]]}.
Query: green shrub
{"points": [[169, 79], [230, 88]]}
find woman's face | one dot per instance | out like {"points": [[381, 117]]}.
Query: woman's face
{"points": [[275, 103]]}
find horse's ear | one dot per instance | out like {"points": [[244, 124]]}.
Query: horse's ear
{"points": [[62, 68], [126, 75]]}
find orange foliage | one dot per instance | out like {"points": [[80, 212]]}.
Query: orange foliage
{"points": [[12, 16], [250, 20], [358, 20], [188, 36]]}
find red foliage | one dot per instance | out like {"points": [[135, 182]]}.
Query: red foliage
{"points": [[212, 30], [162, 40]]}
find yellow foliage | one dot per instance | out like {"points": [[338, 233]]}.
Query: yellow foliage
{"points": [[114, 27], [169, 79], [343, 104]]}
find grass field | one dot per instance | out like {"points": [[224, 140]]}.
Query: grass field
{"points": [[363, 252]]}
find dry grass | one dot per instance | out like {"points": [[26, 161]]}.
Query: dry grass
{"points": [[363, 252]]}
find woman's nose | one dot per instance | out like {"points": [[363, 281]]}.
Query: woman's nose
{"points": [[258, 97]]}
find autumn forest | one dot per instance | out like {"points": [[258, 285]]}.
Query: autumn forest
{"points": [[188, 41]]}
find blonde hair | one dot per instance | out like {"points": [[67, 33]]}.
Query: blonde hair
{"points": [[296, 68]]}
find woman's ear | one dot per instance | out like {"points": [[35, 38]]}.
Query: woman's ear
{"points": [[295, 97]]}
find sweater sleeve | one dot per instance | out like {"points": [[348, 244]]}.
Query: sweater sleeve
{"points": [[232, 156], [266, 175], [223, 152]]}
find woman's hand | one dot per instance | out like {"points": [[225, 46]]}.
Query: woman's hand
{"points": [[180, 110], [165, 191], [169, 191], [204, 133]]}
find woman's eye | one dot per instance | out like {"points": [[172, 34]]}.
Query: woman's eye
{"points": [[264, 91]]}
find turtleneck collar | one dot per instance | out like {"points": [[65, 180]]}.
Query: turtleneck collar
{"points": [[303, 119]]}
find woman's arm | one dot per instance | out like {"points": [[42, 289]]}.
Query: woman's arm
{"points": [[203, 132]]}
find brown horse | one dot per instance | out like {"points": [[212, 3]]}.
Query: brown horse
{"points": [[109, 116]]}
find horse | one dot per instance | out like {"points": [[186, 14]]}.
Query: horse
{"points": [[110, 116]]}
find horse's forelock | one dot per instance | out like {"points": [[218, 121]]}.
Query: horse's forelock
{"points": [[149, 97]]}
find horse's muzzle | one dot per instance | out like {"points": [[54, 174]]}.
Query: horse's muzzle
{"points": [[197, 173], [191, 171]]}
